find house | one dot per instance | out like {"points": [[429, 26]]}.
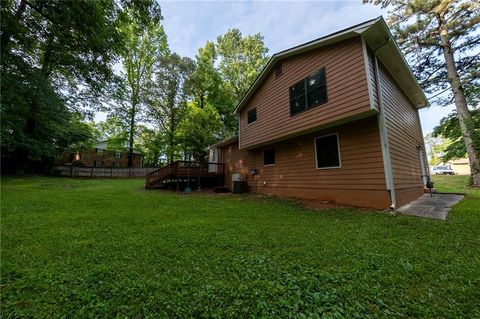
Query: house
{"points": [[334, 119], [100, 155]]}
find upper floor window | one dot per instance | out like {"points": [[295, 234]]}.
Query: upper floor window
{"points": [[99, 150], [308, 93], [118, 154], [269, 157], [278, 69], [252, 115], [327, 151]]}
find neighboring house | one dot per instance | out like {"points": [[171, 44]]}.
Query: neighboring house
{"points": [[334, 119], [100, 155], [460, 166]]}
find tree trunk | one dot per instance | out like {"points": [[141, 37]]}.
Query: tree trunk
{"points": [[464, 116], [170, 146], [130, 138], [22, 153]]}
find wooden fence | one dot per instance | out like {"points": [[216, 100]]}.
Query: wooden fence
{"points": [[101, 172]]}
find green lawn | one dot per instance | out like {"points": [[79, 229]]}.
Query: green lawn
{"points": [[447, 183], [109, 248]]}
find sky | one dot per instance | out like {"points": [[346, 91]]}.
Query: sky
{"points": [[283, 24]]}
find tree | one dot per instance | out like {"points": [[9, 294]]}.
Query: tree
{"points": [[206, 80], [168, 99], [198, 129], [440, 36], [115, 130], [225, 70], [241, 59], [49, 51], [145, 43], [436, 148], [449, 128], [152, 145]]}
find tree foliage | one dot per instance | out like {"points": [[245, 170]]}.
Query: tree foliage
{"points": [[56, 59], [225, 71], [449, 128], [416, 28], [168, 99], [151, 143], [61, 61], [435, 148], [241, 60], [145, 43], [198, 130]]}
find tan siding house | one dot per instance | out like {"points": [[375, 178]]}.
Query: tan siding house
{"points": [[335, 119]]}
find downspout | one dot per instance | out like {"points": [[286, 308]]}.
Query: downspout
{"points": [[387, 162]]}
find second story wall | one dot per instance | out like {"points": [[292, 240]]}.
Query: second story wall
{"points": [[404, 137], [346, 86]]}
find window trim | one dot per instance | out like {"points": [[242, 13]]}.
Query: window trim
{"points": [[307, 108], [254, 108], [338, 150], [274, 157], [278, 66]]}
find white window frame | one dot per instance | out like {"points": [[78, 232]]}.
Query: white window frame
{"points": [[118, 154], [338, 150]]}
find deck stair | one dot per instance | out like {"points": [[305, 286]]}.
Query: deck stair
{"points": [[179, 173]]}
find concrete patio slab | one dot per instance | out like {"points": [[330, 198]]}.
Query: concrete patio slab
{"points": [[436, 206]]}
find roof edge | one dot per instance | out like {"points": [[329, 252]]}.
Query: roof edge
{"points": [[224, 142], [307, 46]]}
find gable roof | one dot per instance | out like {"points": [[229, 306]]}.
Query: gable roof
{"points": [[224, 142], [377, 35]]}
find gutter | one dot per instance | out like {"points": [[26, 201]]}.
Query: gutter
{"points": [[387, 163]]}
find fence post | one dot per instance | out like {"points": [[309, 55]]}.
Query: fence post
{"points": [[71, 172], [91, 175], [111, 172], [130, 172]]}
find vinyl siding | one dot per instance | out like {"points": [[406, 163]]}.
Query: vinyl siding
{"points": [[359, 182], [347, 92], [373, 82], [236, 162], [404, 136]]}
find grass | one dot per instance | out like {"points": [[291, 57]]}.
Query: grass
{"points": [[109, 248], [454, 183]]}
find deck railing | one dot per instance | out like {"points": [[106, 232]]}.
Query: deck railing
{"points": [[101, 172], [185, 169]]}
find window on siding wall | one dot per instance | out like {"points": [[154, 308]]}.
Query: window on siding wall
{"points": [[252, 116], [327, 151], [269, 157], [308, 93], [278, 69], [118, 154]]}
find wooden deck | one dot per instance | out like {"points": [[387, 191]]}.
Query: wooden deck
{"points": [[181, 173]]}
